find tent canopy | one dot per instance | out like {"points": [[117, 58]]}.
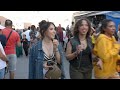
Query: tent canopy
{"points": [[98, 13], [114, 14]]}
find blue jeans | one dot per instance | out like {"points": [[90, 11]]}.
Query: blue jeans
{"points": [[65, 64], [2, 73]]}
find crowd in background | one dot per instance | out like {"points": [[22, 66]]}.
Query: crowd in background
{"points": [[86, 47]]}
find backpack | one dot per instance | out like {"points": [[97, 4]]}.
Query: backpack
{"points": [[3, 40]]}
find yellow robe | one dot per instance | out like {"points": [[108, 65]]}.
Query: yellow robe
{"points": [[107, 49]]}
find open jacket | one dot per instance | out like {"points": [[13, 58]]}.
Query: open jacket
{"points": [[36, 59]]}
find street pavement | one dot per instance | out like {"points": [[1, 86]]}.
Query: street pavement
{"points": [[21, 69]]}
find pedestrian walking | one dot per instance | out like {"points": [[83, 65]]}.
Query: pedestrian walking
{"points": [[25, 44], [79, 51], [44, 55], [107, 49], [3, 62], [10, 48]]}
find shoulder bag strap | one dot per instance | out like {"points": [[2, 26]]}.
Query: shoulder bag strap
{"points": [[9, 36]]}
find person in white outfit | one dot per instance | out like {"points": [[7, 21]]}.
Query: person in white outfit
{"points": [[65, 39], [3, 61], [27, 35]]}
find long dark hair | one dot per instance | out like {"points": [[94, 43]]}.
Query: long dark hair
{"points": [[44, 25], [104, 25], [78, 24]]}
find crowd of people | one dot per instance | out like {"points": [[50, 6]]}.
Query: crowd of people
{"points": [[88, 50]]}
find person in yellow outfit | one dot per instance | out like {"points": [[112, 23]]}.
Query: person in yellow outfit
{"points": [[107, 49]]}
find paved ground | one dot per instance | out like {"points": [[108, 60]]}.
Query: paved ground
{"points": [[22, 68]]}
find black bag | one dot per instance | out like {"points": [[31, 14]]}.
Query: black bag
{"points": [[3, 40]]}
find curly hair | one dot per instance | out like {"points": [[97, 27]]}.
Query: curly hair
{"points": [[78, 24]]}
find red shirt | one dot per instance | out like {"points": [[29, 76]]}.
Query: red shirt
{"points": [[11, 43]]}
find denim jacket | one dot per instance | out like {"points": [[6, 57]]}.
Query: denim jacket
{"points": [[64, 63], [36, 59]]}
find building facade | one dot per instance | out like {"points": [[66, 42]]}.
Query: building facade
{"points": [[26, 25], [2, 20]]}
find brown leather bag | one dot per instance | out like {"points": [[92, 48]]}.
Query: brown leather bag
{"points": [[54, 73]]}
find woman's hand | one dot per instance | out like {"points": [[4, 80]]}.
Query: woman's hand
{"points": [[45, 66], [80, 48], [55, 44], [100, 64]]}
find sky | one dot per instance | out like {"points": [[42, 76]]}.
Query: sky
{"points": [[19, 17]]}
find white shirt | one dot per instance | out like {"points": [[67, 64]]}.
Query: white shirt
{"points": [[65, 38], [64, 34], [2, 63], [37, 34], [27, 34]]}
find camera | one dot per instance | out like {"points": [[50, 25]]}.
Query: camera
{"points": [[50, 63]]}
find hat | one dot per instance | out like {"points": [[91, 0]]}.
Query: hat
{"points": [[2, 27]]}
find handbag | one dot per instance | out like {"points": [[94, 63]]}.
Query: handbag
{"points": [[54, 72]]}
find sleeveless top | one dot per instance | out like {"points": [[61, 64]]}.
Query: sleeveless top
{"points": [[84, 59]]}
